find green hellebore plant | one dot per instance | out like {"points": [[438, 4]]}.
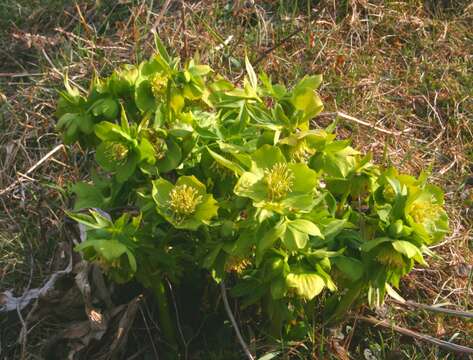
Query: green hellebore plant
{"points": [[276, 185], [287, 209], [186, 204]]}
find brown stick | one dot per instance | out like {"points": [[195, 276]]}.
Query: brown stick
{"points": [[441, 343], [408, 303], [233, 321]]}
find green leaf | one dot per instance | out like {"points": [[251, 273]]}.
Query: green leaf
{"points": [[107, 131], [146, 151], [160, 192], [278, 288], [227, 163], [371, 244], [124, 172], [351, 267], [268, 240], [408, 249], [294, 239], [305, 226], [251, 73], [88, 196], [107, 107], [109, 249], [144, 98]]}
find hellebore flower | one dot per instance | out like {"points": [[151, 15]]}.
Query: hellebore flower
{"points": [[277, 185], [186, 205]]}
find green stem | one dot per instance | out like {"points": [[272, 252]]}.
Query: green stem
{"points": [[165, 320]]}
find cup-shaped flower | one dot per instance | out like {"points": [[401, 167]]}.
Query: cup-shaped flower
{"points": [[406, 202], [118, 152], [424, 212], [277, 185], [186, 205]]}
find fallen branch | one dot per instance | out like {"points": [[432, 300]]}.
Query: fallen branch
{"points": [[438, 309], [33, 168], [364, 123], [441, 343], [234, 323]]}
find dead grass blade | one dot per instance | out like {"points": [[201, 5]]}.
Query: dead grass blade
{"points": [[33, 168], [364, 123]]}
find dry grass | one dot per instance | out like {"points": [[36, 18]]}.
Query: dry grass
{"points": [[399, 65]]}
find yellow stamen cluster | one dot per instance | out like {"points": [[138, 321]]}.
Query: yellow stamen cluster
{"points": [[424, 210], [236, 264], [183, 200], [279, 180], [117, 152], [158, 84]]}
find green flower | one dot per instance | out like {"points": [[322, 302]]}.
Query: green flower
{"points": [[408, 201], [166, 150], [121, 150], [277, 185], [424, 212], [159, 83], [186, 205]]}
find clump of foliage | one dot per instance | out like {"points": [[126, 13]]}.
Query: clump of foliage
{"points": [[235, 180]]}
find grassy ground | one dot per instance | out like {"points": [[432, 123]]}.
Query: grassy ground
{"points": [[398, 65]]}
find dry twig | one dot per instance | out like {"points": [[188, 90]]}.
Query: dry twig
{"points": [[234, 323], [438, 309], [441, 343]]}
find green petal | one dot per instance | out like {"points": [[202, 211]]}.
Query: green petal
{"points": [[307, 285], [125, 171], [207, 209], [305, 179], [251, 185], [102, 158], [172, 158], [107, 131], [192, 181], [265, 157]]}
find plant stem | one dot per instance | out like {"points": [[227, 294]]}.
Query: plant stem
{"points": [[165, 321]]}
